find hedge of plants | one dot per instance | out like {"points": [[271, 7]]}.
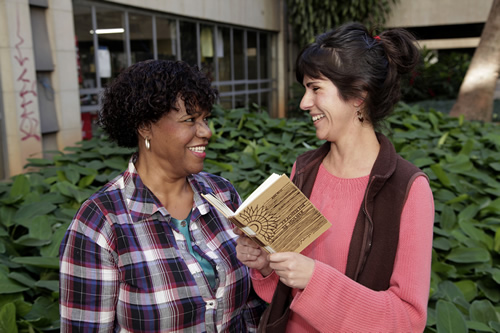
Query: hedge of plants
{"points": [[462, 160]]}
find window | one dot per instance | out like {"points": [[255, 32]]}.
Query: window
{"points": [[141, 37], [189, 49], [166, 38], [237, 60], [85, 58], [207, 50], [111, 55]]}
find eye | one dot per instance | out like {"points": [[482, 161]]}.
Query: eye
{"points": [[207, 118], [315, 88], [189, 120]]}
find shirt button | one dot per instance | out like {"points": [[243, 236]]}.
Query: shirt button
{"points": [[183, 224]]}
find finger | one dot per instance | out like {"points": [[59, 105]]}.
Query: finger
{"points": [[237, 231], [246, 257], [245, 241], [279, 257], [242, 247], [278, 267], [249, 250]]}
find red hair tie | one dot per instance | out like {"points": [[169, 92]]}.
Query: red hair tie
{"points": [[377, 37]]}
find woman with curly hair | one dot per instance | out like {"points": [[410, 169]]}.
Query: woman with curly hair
{"points": [[370, 272], [147, 253]]}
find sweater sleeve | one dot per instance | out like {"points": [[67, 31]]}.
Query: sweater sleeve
{"points": [[264, 286], [354, 307]]}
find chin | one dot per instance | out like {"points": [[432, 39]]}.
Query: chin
{"points": [[321, 137], [197, 170]]}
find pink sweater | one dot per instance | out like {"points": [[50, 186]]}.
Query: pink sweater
{"points": [[332, 302]]}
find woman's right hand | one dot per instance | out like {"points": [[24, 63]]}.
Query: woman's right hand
{"points": [[251, 254]]}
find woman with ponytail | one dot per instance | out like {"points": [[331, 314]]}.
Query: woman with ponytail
{"points": [[371, 270]]}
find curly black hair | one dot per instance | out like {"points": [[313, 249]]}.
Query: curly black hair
{"points": [[146, 91]]}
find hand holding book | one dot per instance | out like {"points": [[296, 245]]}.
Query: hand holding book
{"points": [[277, 216]]}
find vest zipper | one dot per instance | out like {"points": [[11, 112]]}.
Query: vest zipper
{"points": [[367, 236]]}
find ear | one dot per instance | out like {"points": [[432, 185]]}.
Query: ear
{"points": [[144, 131], [360, 100]]}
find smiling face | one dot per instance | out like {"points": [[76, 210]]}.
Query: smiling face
{"points": [[332, 117], [178, 141]]}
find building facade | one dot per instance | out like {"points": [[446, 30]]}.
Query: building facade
{"points": [[56, 56]]}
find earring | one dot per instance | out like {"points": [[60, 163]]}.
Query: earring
{"points": [[147, 144], [359, 114]]}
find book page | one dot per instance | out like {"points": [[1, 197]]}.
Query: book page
{"points": [[228, 213], [217, 203], [262, 187]]}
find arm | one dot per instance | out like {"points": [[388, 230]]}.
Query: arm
{"points": [[88, 279], [264, 285], [403, 307]]}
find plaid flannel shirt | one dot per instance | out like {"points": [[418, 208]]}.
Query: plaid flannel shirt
{"points": [[125, 268]]}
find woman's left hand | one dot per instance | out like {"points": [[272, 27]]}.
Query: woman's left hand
{"points": [[294, 269]]}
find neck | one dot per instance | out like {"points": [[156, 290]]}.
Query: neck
{"points": [[353, 157], [173, 191]]}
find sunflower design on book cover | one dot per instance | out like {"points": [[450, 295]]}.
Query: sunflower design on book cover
{"points": [[260, 221]]}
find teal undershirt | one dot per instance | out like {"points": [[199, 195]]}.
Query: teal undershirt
{"points": [[205, 265]]}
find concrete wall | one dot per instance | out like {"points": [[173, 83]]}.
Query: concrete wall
{"points": [[65, 76], [21, 120], [21, 117], [261, 14], [410, 13]]}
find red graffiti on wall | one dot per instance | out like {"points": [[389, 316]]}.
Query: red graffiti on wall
{"points": [[29, 120]]}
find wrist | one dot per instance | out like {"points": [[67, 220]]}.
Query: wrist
{"points": [[266, 271]]}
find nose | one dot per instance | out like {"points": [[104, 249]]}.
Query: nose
{"points": [[202, 130], [306, 102]]}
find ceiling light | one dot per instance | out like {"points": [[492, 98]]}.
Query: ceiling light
{"points": [[108, 31]]}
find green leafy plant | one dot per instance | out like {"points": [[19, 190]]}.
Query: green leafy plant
{"points": [[437, 77], [461, 160], [312, 17], [460, 157]]}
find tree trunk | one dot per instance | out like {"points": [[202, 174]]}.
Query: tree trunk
{"points": [[475, 98]]}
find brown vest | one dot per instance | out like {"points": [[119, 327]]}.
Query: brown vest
{"points": [[375, 237]]}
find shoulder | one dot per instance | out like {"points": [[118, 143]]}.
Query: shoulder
{"points": [[314, 155], [213, 181], [406, 166], [113, 191], [109, 199], [408, 172], [206, 182], [420, 187]]}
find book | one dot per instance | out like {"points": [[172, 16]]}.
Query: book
{"points": [[277, 216]]}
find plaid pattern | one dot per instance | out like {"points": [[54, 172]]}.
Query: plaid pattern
{"points": [[125, 268]]}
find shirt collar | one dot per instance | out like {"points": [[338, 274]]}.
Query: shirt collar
{"points": [[142, 203]]}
